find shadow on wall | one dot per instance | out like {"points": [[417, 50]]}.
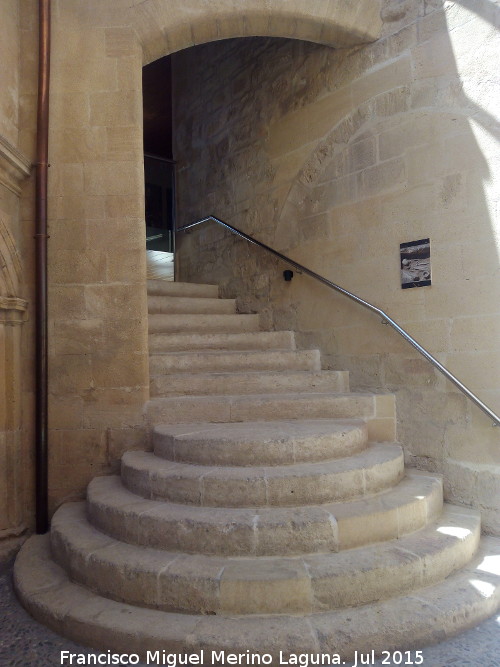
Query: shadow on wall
{"points": [[335, 157]]}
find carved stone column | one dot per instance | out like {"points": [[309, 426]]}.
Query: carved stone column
{"points": [[14, 168], [12, 315]]}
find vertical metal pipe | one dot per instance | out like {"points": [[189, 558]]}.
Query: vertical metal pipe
{"points": [[41, 347]]}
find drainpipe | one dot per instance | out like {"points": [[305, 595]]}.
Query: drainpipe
{"points": [[41, 347]]}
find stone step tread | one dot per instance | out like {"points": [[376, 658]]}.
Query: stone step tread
{"points": [[377, 409], [415, 501], [178, 323], [190, 305], [242, 585], [247, 382], [233, 354], [365, 400], [431, 614], [207, 360], [292, 396], [270, 442], [373, 455], [164, 342], [376, 468], [174, 288]]}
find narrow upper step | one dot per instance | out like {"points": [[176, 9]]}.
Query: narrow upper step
{"points": [[175, 305], [410, 621], [203, 323], [229, 360], [267, 531], [262, 585], [247, 382], [269, 443], [374, 469], [171, 288], [252, 340]]}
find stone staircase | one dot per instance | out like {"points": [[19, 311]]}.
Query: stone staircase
{"points": [[274, 514]]}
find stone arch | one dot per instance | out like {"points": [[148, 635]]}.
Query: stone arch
{"points": [[165, 27]]}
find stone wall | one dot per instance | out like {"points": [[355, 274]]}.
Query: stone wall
{"points": [[335, 157], [15, 459], [279, 129], [98, 370], [9, 56], [97, 299]]}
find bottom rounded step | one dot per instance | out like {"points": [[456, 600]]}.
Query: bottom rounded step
{"points": [[429, 615], [197, 584]]}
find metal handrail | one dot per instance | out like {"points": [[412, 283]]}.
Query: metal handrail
{"points": [[386, 319], [160, 158]]}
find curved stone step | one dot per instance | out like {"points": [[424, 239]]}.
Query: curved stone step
{"points": [[428, 615], [189, 305], [174, 288], [308, 584], [269, 442], [251, 340], [376, 409], [375, 469], [268, 531], [202, 323], [198, 384], [198, 361]]}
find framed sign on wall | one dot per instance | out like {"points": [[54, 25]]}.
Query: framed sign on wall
{"points": [[415, 263]]}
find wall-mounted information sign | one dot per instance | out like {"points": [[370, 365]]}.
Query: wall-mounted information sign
{"points": [[415, 263]]}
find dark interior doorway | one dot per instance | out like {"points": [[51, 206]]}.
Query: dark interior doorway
{"points": [[159, 166]]}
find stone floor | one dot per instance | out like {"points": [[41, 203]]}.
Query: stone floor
{"points": [[26, 643]]}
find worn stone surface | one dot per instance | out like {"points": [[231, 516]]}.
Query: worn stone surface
{"points": [[229, 530], [250, 407], [375, 469], [244, 360], [257, 340], [200, 583], [190, 555], [336, 157], [25, 642], [248, 382], [388, 625], [269, 443]]}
